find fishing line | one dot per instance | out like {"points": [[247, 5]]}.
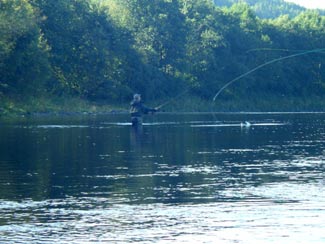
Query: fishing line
{"points": [[265, 64], [172, 99]]}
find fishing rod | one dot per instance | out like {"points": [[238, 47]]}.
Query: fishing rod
{"points": [[265, 64], [172, 99]]}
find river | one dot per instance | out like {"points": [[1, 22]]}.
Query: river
{"points": [[180, 178]]}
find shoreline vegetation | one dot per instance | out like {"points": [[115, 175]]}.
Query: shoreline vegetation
{"points": [[91, 56], [55, 106]]}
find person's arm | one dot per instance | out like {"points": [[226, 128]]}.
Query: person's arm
{"points": [[147, 110]]}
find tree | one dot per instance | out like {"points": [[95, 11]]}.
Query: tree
{"points": [[84, 45], [158, 36], [24, 52]]}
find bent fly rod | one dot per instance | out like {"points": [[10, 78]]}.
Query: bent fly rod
{"points": [[265, 64]]}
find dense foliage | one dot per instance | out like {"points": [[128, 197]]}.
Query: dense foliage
{"points": [[105, 50], [269, 9]]}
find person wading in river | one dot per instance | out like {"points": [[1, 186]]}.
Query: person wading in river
{"points": [[138, 109]]}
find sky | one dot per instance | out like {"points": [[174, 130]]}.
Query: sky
{"points": [[309, 3]]}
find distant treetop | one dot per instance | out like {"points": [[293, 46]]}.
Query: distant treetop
{"points": [[269, 9]]}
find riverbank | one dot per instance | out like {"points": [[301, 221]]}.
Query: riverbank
{"points": [[46, 106], [43, 106]]}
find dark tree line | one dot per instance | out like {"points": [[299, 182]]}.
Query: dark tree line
{"points": [[105, 50]]}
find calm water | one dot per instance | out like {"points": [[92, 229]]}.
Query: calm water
{"points": [[186, 178]]}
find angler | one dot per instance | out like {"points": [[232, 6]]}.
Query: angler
{"points": [[138, 109]]}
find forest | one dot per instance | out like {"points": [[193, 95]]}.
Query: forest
{"points": [[69, 55], [270, 9]]}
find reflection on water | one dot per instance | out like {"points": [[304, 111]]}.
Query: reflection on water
{"points": [[196, 178]]}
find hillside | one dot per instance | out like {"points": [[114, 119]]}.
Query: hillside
{"points": [[269, 9], [101, 52]]}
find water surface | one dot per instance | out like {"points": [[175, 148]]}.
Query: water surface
{"points": [[181, 178]]}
